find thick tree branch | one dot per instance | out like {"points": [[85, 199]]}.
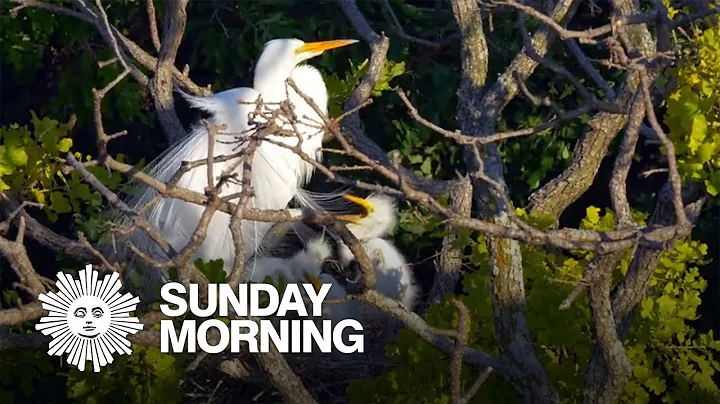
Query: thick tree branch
{"points": [[14, 251], [477, 114], [609, 368], [46, 237], [555, 196], [161, 85], [450, 265], [618, 182], [634, 286], [21, 314]]}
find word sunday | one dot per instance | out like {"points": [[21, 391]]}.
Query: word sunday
{"points": [[252, 300]]}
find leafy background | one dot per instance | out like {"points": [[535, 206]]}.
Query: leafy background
{"points": [[49, 66]]}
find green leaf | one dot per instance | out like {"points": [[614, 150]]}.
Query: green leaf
{"points": [[655, 384], [16, 155], [593, 214], [426, 167], [712, 185], [698, 132], [213, 270], [646, 306], [38, 195], [59, 203], [64, 145]]}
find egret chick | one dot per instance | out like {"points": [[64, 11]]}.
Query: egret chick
{"points": [[373, 218], [305, 267]]}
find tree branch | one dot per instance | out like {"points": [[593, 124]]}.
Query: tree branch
{"points": [[161, 85], [450, 265], [351, 125]]}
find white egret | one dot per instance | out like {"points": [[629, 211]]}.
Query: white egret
{"points": [[277, 172], [324, 257]]}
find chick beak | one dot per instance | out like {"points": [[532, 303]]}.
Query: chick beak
{"points": [[364, 205]]}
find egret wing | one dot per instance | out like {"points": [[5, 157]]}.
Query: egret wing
{"points": [[177, 219]]}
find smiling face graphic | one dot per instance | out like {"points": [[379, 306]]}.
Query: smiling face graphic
{"points": [[88, 317]]}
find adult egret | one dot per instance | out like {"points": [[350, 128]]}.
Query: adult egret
{"points": [[277, 172]]}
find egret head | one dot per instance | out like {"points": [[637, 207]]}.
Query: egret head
{"points": [[374, 216], [280, 56]]}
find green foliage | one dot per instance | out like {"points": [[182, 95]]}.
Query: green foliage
{"points": [[30, 165], [341, 89], [35, 43], [213, 269], [418, 148], [423, 376], [222, 40], [23, 40], [21, 372], [29, 160], [554, 146], [124, 104], [693, 111], [670, 360], [146, 376], [420, 228]]}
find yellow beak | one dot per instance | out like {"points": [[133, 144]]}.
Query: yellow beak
{"points": [[357, 217], [314, 280], [322, 46]]}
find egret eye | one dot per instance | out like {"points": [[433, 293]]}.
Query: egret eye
{"points": [[331, 267]]}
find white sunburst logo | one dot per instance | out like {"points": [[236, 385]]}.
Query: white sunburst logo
{"points": [[89, 318]]}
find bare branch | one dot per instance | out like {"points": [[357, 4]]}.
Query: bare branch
{"points": [[235, 221], [50, 7], [152, 21], [351, 125], [456, 357], [161, 85], [400, 31], [108, 266], [634, 285], [367, 281], [609, 357], [16, 254], [22, 314], [589, 69], [472, 391], [471, 356], [460, 138], [449, 268], [618, 182], [675, 181], [557, 68], [149, 62], [45, 236]]}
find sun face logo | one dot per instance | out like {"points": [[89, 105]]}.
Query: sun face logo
{"points": [[89, 318]]}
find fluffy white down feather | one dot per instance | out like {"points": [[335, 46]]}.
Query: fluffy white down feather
{"points": [[394, 278]]}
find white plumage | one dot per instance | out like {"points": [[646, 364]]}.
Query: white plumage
{"points": [[277, 172], [394, 278], [278, 175]]}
